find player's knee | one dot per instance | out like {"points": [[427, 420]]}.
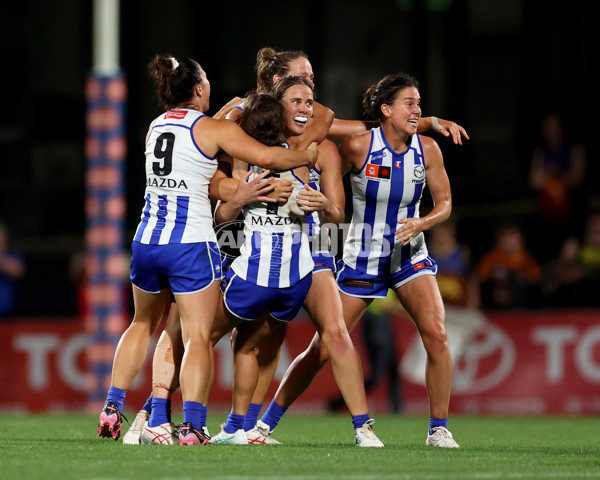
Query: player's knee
{"points": [[198, 341], [143, 326], [434, 336], [336, 339]]}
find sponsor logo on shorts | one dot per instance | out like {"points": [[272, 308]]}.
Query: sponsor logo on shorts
{"points": [[421, 265], [354, 283]]}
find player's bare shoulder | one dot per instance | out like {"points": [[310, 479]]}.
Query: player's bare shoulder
{"points": [[356, 144], [354, 149], [328, 154], [217, 126], [431, 151]]}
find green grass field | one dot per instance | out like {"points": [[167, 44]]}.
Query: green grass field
{"points": [[316, 447]]}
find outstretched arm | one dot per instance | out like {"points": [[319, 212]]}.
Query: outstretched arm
{"points": [[212, 136], [446, 127], [343, 128]]}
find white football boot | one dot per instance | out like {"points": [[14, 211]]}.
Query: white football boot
{"points": [[261, 435], [164, 434], [237, 438], [441, 437], [132, 437], [365, 436]]}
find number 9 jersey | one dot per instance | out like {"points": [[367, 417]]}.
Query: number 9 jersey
{"points": [[177, 208]]}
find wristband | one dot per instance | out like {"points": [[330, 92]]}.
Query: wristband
{"points": [[435, 124]]}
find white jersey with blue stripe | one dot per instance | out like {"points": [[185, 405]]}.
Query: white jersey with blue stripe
{"points": [[318, 235], [275, 252], [177, 208], [387, 189]]}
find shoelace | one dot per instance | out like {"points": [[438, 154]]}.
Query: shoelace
{"points": [[122, 415], [369, 422], [115, 410], [367, 429], [445, 433], [138, 422], [263, 431]]}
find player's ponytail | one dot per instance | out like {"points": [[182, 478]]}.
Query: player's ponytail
{"points": [[174, 79], [270, 63]]}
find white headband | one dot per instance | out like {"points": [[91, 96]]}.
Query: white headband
{"points": [[175, 63]]}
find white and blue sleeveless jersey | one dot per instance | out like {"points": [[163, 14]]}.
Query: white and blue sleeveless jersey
{"points": [[177, 208], [388, 188], [275, 252]]}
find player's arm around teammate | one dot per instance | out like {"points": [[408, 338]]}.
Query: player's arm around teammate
{"points": [[271, 66], [185, 90], [169, 349], [212, 136]]}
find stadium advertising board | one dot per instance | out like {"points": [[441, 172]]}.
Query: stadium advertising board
{"points": [[526, 363]]}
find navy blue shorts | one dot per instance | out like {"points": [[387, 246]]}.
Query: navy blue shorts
{"points": [[247, 300], [359, 284], [183, 267]]}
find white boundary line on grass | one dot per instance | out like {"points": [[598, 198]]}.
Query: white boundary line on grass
{"points": [[417, 476]]}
